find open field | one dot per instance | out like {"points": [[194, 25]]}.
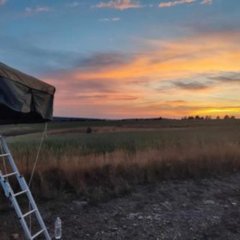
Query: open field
{"points": [[118, 155], [174, 179]]}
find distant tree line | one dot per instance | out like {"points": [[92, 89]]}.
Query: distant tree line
{"points": [[197, 117]]}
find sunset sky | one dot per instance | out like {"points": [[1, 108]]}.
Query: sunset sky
{"points": [[128, 58]]}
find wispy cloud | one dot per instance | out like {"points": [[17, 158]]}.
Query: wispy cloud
{"points": [[195, 86], [119, 4], [36, 10], [2, 2], [207, 2], [159, 60], [227, 77], [104, 60], [175, 3], [208, 81], [51, 60], [73, 4], [113, 19]]}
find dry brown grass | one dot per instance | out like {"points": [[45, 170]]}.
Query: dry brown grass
{"points": [[97, 176], [117, 156]]}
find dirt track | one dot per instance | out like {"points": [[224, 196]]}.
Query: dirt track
{"points": [[181, 210]]}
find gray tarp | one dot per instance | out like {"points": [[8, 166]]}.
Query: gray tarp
{"points": [[24, 98]]}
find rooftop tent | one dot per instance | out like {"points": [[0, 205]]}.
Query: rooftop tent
{"points": [[24, 98]]}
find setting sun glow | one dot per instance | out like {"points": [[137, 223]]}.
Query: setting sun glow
{"points": [[113, 60]]}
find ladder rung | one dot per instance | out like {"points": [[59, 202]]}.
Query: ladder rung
{"points": [[28, 213], [4, 155], [38, 233], [24, 189], [9, 174], [20, 193]]}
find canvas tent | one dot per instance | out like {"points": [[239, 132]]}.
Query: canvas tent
{"points": [[24, 98]]}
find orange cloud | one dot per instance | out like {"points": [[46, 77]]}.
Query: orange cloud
{"points": [[207, 2], [175, 3], [119, 4], [178, 59], [188, 70]]}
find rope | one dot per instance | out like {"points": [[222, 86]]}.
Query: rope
{"points": [[44, 134]]}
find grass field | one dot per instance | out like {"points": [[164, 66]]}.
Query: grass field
{"points": [[117, 155]]}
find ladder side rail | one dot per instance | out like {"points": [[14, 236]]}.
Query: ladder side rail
{"points": [[17, 208], [10, 159], [24, 185]]}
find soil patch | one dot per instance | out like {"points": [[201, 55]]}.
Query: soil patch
{"points": [[181, 210]]}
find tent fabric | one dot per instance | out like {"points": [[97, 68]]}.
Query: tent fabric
{"points": [[24, 98]]}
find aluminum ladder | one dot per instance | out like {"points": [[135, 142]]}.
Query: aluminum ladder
{"points": [[5, 155]]}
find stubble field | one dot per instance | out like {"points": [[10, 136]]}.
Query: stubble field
{"points": [[104, 159]]}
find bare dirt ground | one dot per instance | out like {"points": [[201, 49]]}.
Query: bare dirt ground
{"points": [[180, 210]]}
